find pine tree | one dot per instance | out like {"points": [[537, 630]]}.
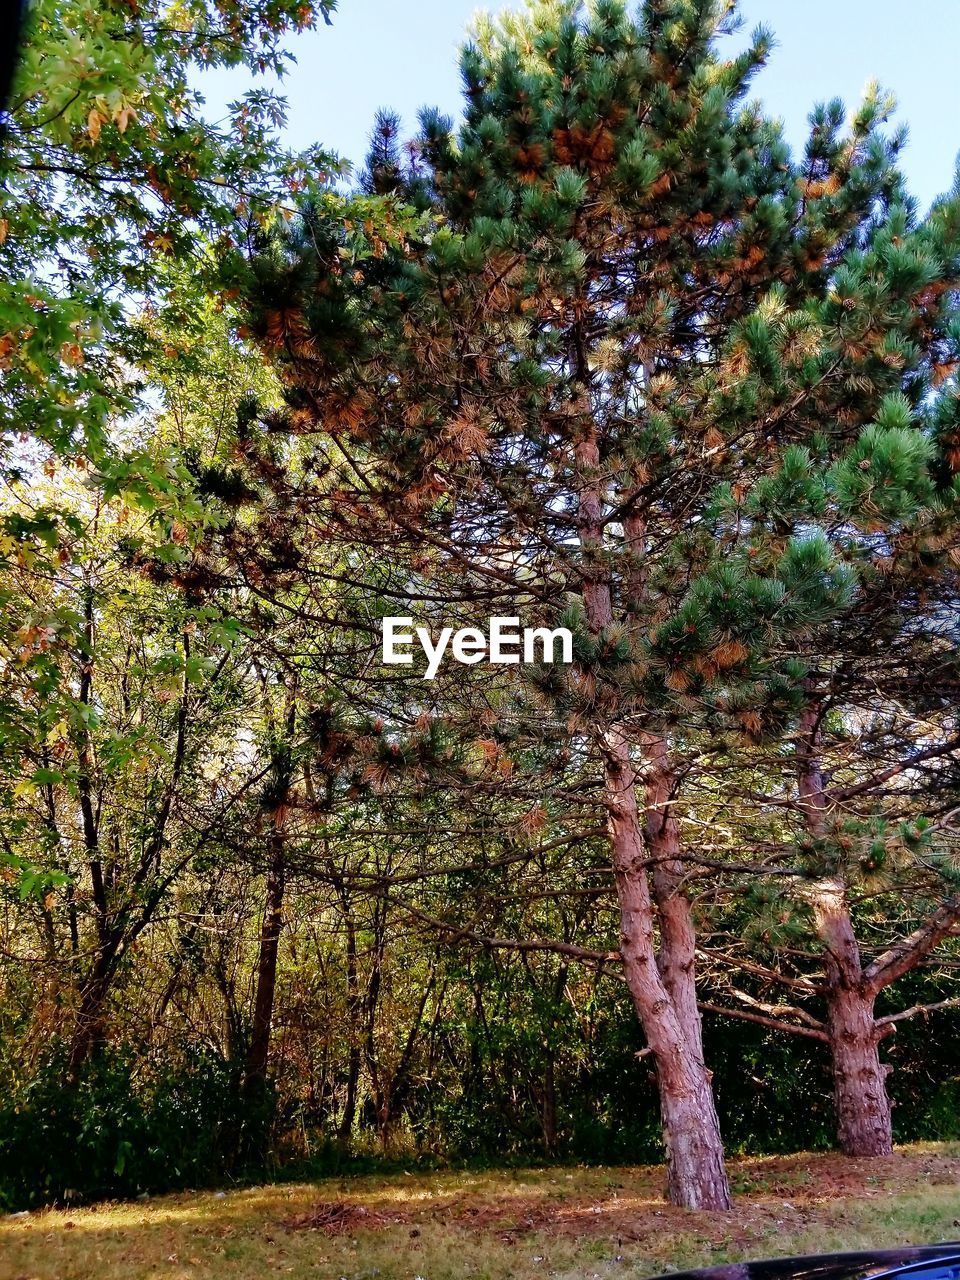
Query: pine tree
{"points": [[859, 882], [875, 745], [635, 368]]}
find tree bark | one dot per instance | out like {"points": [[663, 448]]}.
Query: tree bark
{"points": [[348, 1116], [258, 1054], [696, 1176], [676, 958], [119, 919], [548, 1105], [88, 1032], [863, 1110], [864, 1125], [861, 1101]]}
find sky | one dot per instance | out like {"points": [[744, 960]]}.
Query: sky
{"points": [[402, 54]]}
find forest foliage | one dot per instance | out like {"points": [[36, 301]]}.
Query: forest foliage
{"points": [[605, 355]]}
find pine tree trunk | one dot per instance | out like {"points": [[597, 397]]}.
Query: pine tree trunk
{"points": [[696, 1177], [678, 936], [859, 1077], [676, 959], [861, 1101], [862, 1104], [258, 1054]]}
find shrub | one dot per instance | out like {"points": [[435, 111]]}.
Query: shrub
{"points": [[124, 1128]]}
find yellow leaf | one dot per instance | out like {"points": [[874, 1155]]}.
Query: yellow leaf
{"points": [[59, 732], [123, 115], [94, 121]]}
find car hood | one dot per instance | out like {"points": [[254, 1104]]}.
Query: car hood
{"points": [[826, 1266]]}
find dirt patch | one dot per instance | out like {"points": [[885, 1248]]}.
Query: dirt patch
{"points": [[629, 1217], [770, 1195], [835, 1177], [337, 1218]]}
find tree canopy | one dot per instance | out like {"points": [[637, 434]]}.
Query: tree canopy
{"points": [[603, 355]]}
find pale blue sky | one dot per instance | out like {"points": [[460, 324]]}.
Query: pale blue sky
{"points": [[402, 54]]}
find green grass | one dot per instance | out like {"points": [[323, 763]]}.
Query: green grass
{"points": [[556, 1223]]}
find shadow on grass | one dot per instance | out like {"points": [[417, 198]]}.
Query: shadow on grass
{"points": [[517, 1224]]}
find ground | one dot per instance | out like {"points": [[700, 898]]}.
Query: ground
{"points": [[552, 1224]]}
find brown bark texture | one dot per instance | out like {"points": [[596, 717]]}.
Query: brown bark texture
{"points": [[662, 988], [259, 1052], [861, 1101]]}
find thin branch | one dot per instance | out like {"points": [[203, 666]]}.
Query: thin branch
{"points": [[917, 1009], [458, 933], [763, 1021], [903, 956]]}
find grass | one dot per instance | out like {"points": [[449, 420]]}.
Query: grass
{"points": [[552, 1224]]}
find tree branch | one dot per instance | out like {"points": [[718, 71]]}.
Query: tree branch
{"points": [[904, 956], [916, 1009], [775, 1024]]}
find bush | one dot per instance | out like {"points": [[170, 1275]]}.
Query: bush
{"points": [[124, 1128]]}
